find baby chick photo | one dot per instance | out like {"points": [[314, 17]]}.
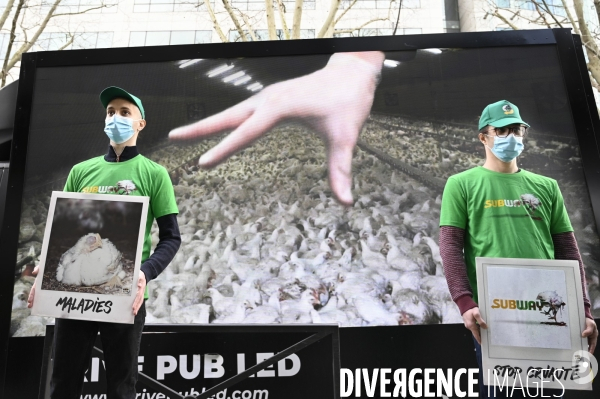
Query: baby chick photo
{"points": [[92, 246]]}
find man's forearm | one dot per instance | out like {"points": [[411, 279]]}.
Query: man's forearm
{"points": [[452, 240], [168, 245], [565, 247]]}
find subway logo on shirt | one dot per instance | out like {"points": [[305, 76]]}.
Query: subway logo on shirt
{"points": [[528, 201], [123, 187], [502, 202]]}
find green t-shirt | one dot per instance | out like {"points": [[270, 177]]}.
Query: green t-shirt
{"points": [[504, 215], [137, 176]]}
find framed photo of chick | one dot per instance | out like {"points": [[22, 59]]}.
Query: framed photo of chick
{"points": [[91, 256]]}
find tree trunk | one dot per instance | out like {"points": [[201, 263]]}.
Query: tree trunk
{"points": [[235, 21], [570, 17], [297, 19], [271, 20], [328, 25], [11, 40], [216, 25], [6, 12], [284, 27]]}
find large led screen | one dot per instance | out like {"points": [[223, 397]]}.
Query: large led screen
{"points": [[265, 238]]}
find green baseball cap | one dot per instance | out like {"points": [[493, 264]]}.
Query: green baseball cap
{"points": [[499, 114], [113, 92]]}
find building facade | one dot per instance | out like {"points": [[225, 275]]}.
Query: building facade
{"points": [[80, 24]]}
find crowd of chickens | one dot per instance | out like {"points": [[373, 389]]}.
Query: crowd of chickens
{"points": [[268, 244], [263, 240]]}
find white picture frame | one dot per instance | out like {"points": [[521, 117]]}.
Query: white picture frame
{"points": [[86, 275], [535, 315]]}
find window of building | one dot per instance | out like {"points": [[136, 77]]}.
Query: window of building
{"points": [[556, 7], [289, 5], [93, 40], [164, 38], [263, 34], [377, 32], [379, 4], [49, 41], [525, 5], [248, 5], [80, 6], [169, 5]]}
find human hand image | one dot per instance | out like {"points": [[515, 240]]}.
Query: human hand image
{"points": [[334, 101]]}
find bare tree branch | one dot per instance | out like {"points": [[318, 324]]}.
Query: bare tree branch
{"points": [[397, 18], [515, 14], [215, 22], [6, 12], [297, 19], [27, 45], [345, 11], [330, 20], [250, 28], [11, 40], [82, 12], [540, 12], [361, 26], [551, 14], [496, 13], [68, 43], [235, 20]]}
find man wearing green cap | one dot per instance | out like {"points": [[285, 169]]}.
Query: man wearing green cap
{"points": [[124, 171], [499, 210]]}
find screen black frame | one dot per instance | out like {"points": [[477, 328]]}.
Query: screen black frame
{"points": [[568, 47]]}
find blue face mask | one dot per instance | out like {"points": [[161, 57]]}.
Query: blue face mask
{"points": [[119, 129], [507, 148]]}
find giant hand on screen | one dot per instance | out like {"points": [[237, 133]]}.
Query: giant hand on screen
{"points": [[334, 101], [591, 332], [473, 321]]}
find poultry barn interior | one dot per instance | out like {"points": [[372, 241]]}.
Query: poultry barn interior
{"points": [[263, 240]]}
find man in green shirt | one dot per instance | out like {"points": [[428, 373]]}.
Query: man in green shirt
{"points": [[121, 171], [499, 210]]}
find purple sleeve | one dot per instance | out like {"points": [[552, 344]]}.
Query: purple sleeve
{"points": [[452, 241], [565, 247]]}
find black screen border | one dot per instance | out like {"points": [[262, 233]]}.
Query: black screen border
{"points": [[568, 48]]}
